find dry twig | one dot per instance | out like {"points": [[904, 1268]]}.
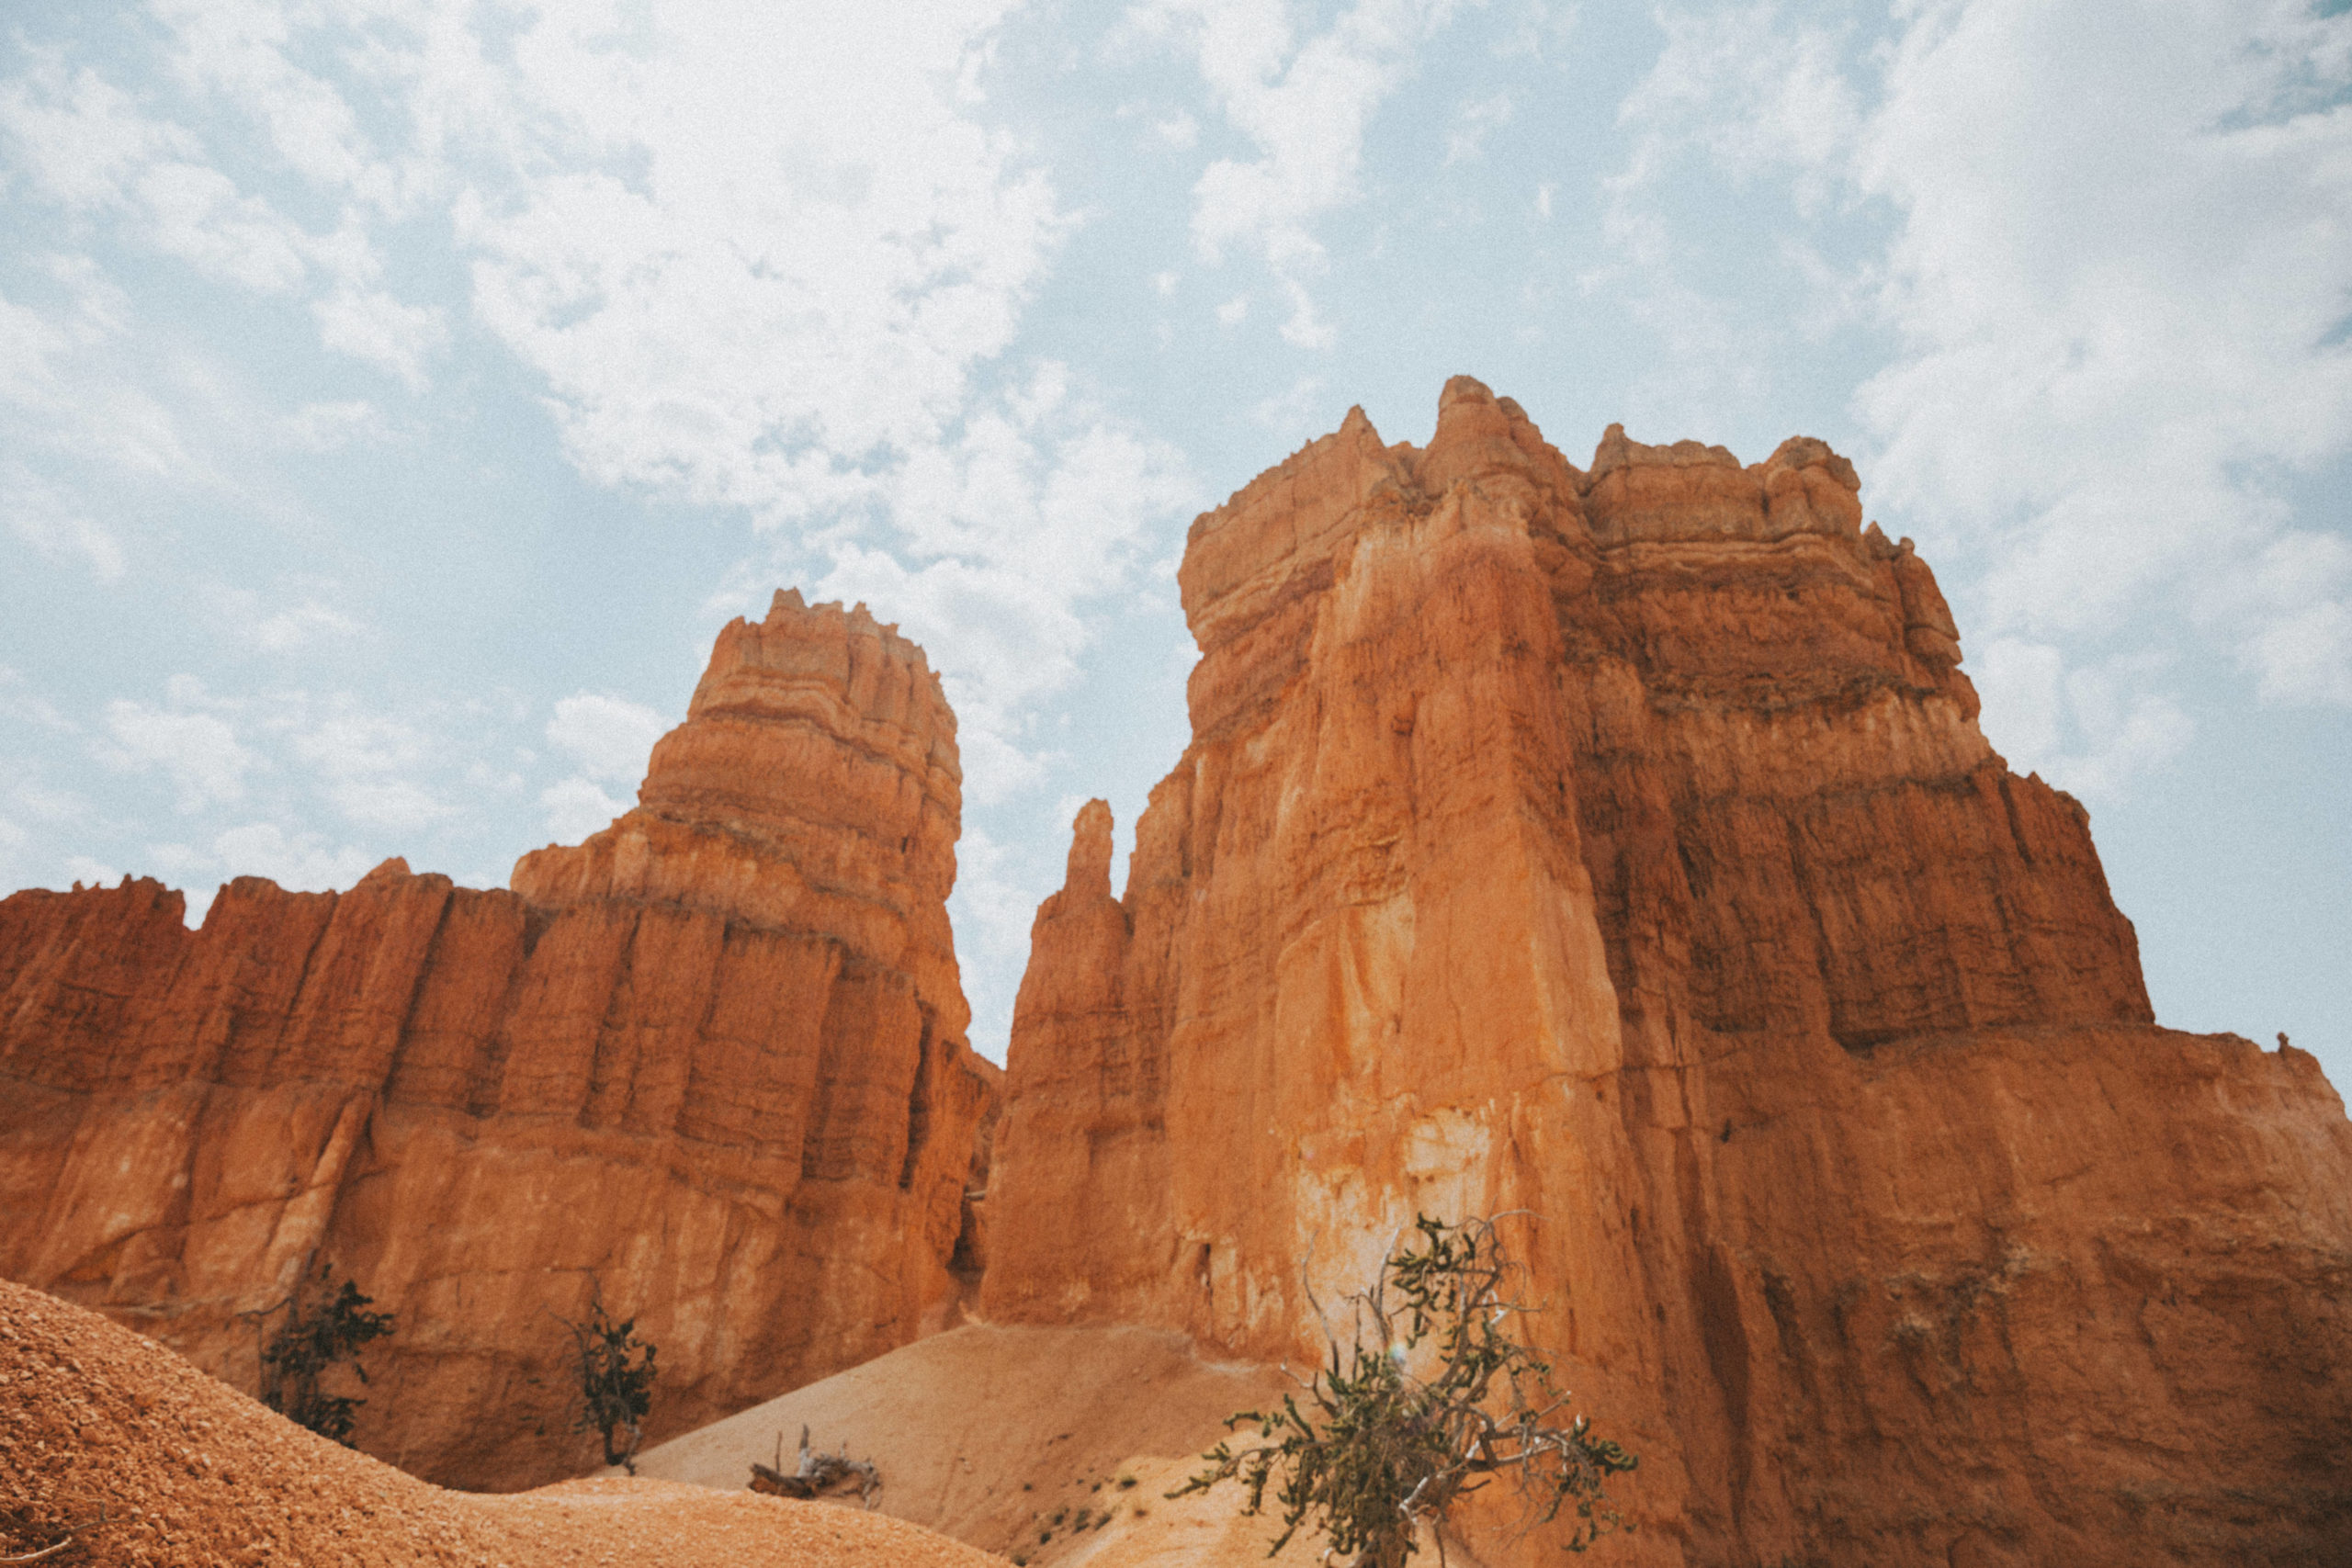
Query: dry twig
{"points": [[72, 1537], [817, 1474]]}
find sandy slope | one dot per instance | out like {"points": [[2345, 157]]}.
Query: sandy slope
{"points": [[1054, 1447], [188, 1472], [1000, 1437]]}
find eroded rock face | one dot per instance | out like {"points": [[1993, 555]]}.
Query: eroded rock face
{"points": [[712, 1062], [1619, 846]]}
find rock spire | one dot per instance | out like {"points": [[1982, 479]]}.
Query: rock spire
{"points": [[1618, 847], [710, 1063]]}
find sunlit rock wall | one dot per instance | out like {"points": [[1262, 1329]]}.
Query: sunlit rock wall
{"points": [[711, 1063], [1619, 846]]}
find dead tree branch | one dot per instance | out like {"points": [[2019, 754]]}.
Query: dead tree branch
{"points": [[817, 1474]]}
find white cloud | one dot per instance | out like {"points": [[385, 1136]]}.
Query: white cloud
{"points": [[397, 805], [758, 254], [610, 737], [17, 701], [243, 52], [2122, 251], [2090, 730], [88, 146], [575, 808], [371, 326], [46, 520], [299, 860], [367, 766], [96, 307], [1474, 121], [1003, 536], [2114, 257], [994, 902], [56, 807], [759, 260], [66, 401], [79, 138], [299, 626], [1294, 410], [769, 260], [199, 750], [2300, 594], [86, 870], [1756, 91], [329, 426], [197, 213], [1305, 106], [179, 862], [307, 623]]}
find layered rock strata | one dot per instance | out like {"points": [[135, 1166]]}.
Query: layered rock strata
{"points": [[710, 1063], [1619, 845]]}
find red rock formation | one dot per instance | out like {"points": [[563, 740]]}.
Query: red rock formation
{"points": [[711, 1061], [1621, 846]]}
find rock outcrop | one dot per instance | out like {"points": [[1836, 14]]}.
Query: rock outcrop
{"points": [[1619, 846], [710, 1063]]}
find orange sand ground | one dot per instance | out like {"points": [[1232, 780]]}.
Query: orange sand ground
{"points": [[1053, 1446], [191, 1474]]}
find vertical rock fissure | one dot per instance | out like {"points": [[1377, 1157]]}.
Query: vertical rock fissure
{"points": [[404, 1030], [918, 1097]]}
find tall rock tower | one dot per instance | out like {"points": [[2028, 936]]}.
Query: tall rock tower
{"points": [[1619, 848], [710, 1063]]}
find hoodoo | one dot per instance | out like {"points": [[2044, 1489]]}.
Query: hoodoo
{"points": [[710, 1063], [1619, 847]]}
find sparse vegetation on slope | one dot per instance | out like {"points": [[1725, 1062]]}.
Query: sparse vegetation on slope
{"points": [[116, 1451], [616, 1374], [324, 1327], [1384, 1448]]}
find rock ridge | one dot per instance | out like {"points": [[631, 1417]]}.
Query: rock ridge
{"points": [[711, 1063]]}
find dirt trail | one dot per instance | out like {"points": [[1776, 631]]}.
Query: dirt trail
{"points": [[188, 1473]]}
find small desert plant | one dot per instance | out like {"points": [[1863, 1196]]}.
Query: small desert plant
{"points": [[616, 1383], [322, 1329], [1378, 1450]]}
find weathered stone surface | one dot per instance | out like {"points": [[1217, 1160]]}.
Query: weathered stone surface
{"points": [[711, 1062], [1619, 846], [813, 787]]}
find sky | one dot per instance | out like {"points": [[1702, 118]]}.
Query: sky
{"points": [[396, 396]]}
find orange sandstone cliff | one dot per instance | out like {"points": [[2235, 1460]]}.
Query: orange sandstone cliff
{"points": [[710, 1063], [1619, 845]]}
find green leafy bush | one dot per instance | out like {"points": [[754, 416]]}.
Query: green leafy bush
{"points": [[1374, 1451], [616, 1383], [319, 1333]]}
